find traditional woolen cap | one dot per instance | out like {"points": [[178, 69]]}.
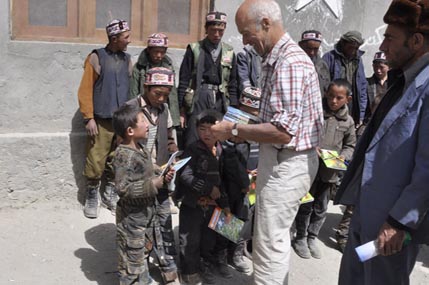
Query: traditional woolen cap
{"points": [[311, 35], [116, 27], [412, 14], [251, 97], [157, 40], [160, 76], [379, 56], [216, 17], [353, 36]]}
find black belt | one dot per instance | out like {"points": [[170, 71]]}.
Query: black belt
{"points": [[210, 86]]}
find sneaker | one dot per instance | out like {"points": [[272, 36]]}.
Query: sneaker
{"points": [[223, 270], [191, 279], [240, 264], [207, 275], [342, 244], [301, 248], [92, 203], [314, 248], [110, 197]]}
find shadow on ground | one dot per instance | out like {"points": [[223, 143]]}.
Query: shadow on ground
{"points": [[327, 233], [77, 153], [99, 262], [423, 256]]}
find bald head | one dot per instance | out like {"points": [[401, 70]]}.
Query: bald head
{"points": [[260, 23]]}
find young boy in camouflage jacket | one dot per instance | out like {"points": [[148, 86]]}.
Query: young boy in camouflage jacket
{"points": [[137, 186]]}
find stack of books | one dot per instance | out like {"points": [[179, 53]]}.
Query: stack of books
{"points": [[237, 116]]}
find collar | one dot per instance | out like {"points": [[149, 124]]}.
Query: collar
{"points": [[273, 55], [411, 72], [209, 45]]}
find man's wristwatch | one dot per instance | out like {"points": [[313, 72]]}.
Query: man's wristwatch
{"points": [[234, 130]]}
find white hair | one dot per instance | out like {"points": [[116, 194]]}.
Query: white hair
{"points": [[265, 9]]}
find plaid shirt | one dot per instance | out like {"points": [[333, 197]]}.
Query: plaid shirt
{"points": [[291, 96]]}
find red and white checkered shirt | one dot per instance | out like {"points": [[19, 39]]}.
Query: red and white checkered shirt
{"points": [[291, 96]]}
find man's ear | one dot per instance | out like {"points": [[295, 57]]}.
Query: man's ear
{"points": [[349, 99], [416, 41], [266, 24]]}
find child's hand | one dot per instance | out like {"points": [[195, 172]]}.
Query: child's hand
{"points": [[158, 181], [169, 175], [228, 215], [215, 194]]}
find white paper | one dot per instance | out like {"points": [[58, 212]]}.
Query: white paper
{"points": [[367, 250], [170, 161]]}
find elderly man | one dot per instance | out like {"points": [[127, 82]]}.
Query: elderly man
{"points": [[292, 118], [388, 178], [345, 61], [104, 87], [310, 42]]}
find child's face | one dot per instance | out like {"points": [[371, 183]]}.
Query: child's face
{"points": [[380, 69], [337, 97], [205, 134], [157, 95], [141, 129]]}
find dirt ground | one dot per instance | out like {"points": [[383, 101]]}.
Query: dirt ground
{"points": [[51, 242]]}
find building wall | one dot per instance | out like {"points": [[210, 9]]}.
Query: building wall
{"points": [[41, 130]]}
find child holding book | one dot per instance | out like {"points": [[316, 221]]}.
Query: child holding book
{"points": [[137, 186], [200, 184], [339, 136]]}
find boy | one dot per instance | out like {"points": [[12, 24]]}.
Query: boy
{"points": [[339, 136], [239, 160], [200, 183], [137, 187], [160, 144]]}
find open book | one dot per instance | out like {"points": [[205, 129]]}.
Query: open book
{"points": [[172, 164], [231, 230], [332, 159]]}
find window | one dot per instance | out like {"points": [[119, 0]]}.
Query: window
{"points": [[85, 20]]}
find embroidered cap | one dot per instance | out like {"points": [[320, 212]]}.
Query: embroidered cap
{"points": [[116, 27], [157, 40], [379, 56], [311, 36], [251, 97], [160, 76], [216, 17]]}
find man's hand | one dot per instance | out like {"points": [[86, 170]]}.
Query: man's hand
{"points": [[182, 121], [222, 130], [215, 194], [91, 128], [390, 240]]}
